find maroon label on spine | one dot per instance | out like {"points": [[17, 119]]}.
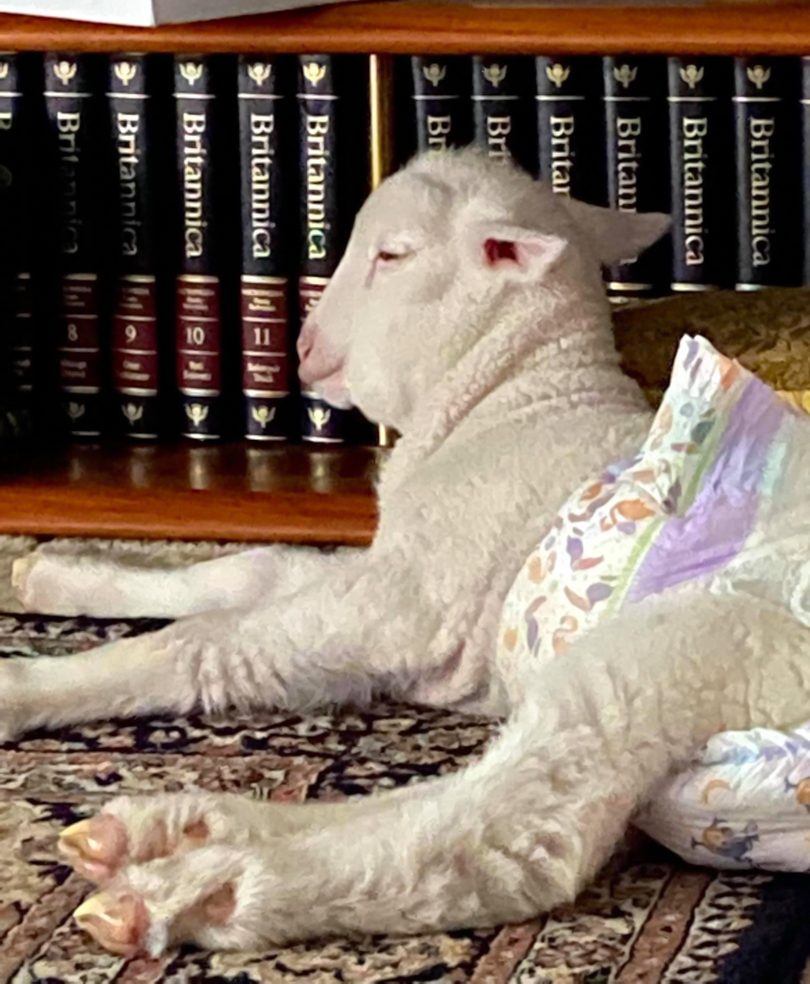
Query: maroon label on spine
{"points": [[309, 293], [265, 354], [320, 423], [79, 348], [22, 347], [198, 335], [135, 341]]}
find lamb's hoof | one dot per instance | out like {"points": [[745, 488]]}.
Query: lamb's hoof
{"points": [[95, 848], [117, 921], [131, 832], [12, 703], [168, 871], [123, 920], [43, 582], [20, 577]]}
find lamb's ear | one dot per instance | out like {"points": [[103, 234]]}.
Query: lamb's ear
{"points": [[514, 249], [616, 235]]}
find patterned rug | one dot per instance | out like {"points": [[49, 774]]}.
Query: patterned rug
{"points": [[647, 919]]}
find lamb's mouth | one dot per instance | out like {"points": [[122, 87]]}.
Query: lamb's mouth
{"points": [[332, 388]]}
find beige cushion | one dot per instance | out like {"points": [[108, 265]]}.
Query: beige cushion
{"points": [[768, 331]]}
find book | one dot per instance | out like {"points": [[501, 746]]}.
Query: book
{"points": [[203, 244], [74, 134], [332, 123], [570, 126], [804, 103], [267, 138], [440, 97], [14, 418], [502, 117], [701, 164], [135, 136], [382, 156], [149, 13], [768, 172], [17, 252], [637, 163]]}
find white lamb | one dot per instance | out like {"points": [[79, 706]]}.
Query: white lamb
{"points": [[469, 314]]}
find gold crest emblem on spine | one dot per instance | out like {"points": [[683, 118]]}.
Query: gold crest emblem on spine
{"points": [[557, 73], [4, 70], [132, 412], [758, 75], [65, 71], [197, 413], [263, 415], [494, 74], [319, 417], [191, 71], [75, 410], [691, 75], [434, 73], [314, 73], [625, 75], [260, 72], [125, 71]]}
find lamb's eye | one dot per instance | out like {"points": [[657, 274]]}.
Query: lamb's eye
{"points": [[389, 256]]}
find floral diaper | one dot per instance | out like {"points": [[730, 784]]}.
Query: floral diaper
{"points": [[695, 505]]}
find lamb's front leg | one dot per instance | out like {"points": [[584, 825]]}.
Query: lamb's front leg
{"points": [[58, 582], [522, 830], [333, 641]]}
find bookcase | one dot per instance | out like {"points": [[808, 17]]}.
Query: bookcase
{"points": [[297, 494]]}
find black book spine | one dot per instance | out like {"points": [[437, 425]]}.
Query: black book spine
{"points": [[703, 234], [502, 123], [768, 176], [17, 165], [72, 100], [805, 166], [135, 352], [198, 292], [637, 163], [570, 126], [266, 135], [327, 207], [441, 101]]}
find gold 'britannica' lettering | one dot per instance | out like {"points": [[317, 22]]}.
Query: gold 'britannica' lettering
{"points": [[262, 128], [317, 158], [194, 161]]}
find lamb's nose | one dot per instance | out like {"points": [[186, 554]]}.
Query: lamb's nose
{"points": [[306, 339]]}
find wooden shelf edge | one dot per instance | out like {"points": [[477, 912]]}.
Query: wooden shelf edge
{"points": [[255, 517], [449, 28], [182, 492]]}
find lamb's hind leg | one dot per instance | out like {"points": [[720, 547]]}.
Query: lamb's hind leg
{"points": [[59, 583], [520, 831], [136, 829]]}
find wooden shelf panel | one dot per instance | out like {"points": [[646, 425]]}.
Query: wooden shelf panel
{"points": [[410, 26], [227, 492]]}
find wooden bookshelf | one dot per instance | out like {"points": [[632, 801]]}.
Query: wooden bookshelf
{"points": [[410, 26], [222, 492], [237, 492]]}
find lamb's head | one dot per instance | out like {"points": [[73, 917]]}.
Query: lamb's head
{"points": [[439, 253]]}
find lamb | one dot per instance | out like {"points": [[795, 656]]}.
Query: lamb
{"points": [[468, 313]]}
